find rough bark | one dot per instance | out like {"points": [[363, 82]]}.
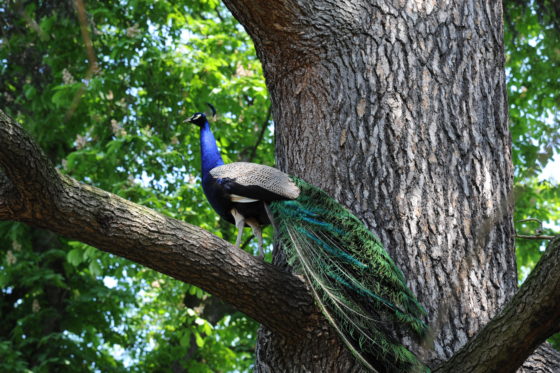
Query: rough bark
{"points": [[524, 319], [50, 200], [545, 360], [399, 110], [277, 299]]}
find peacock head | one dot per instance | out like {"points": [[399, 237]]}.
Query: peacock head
{"points": [[198, 118]]}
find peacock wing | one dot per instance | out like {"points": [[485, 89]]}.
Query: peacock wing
{"points": [[246, 181]]}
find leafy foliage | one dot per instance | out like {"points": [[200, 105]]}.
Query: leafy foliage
{"points": [[532, 37], [533, 71], [110, 113]]}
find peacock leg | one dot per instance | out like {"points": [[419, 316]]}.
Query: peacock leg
{"points": [[257, 231], [240, 224]]}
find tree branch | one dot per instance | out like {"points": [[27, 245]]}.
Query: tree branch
{"points": [[32, 191], [286, 35], [536, 237], [546, 359], [25, 166], [9, 198], [531, 316], [261, 134]]}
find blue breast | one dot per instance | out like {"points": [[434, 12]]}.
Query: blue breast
{"points": [[214, 189], [210, 158], [210, 154]]}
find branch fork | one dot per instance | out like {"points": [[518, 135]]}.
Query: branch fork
{"points": [[34, 192]]}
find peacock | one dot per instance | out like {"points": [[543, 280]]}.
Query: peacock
{"points": [[356, 285]]}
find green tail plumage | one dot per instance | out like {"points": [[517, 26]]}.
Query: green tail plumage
{"points": [[356, 284]]}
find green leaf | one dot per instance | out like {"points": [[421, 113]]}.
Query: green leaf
{"points": [[185, 340], [199, 340], [75, 256], [95, 268]]}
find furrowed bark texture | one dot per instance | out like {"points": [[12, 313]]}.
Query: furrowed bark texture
{"points": [[526, 318], [398, 109], [38, 195]]}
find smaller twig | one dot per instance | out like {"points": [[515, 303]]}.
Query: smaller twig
{"points": [[261, 133], [536, 237], [530, 219], [219, 14], [90, 52]]}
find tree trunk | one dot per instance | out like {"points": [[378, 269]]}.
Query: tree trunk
{"points": [[399, 111]]}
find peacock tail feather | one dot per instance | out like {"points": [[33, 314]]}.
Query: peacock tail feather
{"points": [[358, 287]]}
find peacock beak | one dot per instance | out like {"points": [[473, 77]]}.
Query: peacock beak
{"points": [[194, 119]]}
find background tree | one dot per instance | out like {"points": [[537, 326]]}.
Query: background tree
{"points": [[532, 36], [108, 113]]}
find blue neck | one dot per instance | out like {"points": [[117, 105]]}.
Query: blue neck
{"points": [[210, 154]]}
